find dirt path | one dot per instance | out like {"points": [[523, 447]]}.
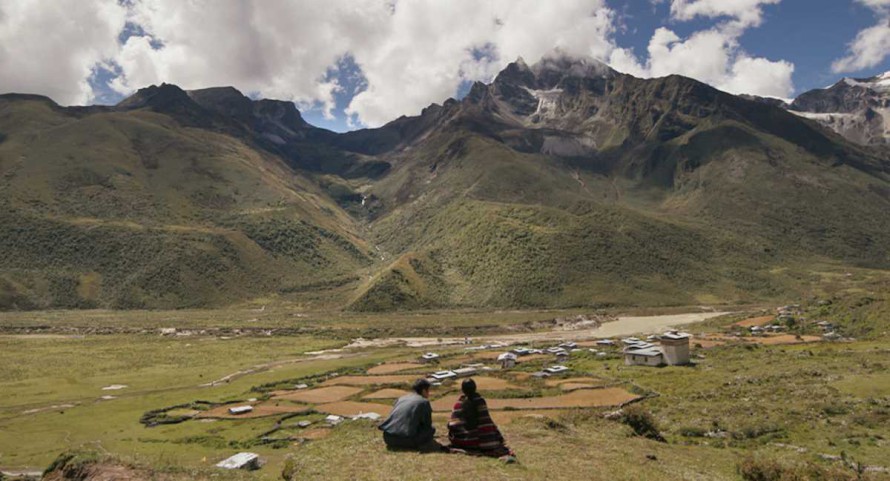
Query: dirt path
{"points": [[624, 326]]}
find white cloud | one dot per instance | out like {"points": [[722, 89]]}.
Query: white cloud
{"points": [[712, 55], [876, 4], [411, 52], [51, 49], [747, 13], [428, 50], [279, 49], [871, 45]]}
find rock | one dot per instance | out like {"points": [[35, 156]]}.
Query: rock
{"points": [[249, 461]]}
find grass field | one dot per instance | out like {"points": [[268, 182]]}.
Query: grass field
{"points": [[789, 404]]}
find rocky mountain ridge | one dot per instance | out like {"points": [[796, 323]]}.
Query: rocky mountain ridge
{"points": [[563, 183]]}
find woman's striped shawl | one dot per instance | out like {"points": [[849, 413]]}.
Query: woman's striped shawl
{"points": [[485, 438]]}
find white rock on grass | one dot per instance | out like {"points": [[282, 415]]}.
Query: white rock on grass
{"points": [[241, 461]]}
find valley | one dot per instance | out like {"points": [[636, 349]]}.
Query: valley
{"points": [[57, 391], [190, 274]]}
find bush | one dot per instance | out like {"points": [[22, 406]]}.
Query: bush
{"points": [[754, 431], [642, 422], [290, 470], [72, 462], [765, 469], [692, 432]]}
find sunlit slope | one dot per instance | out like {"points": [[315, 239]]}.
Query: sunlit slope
{"points": [[724, 212], [131, 209]]}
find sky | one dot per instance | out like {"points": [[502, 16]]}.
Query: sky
{"points": [[351, 64]]}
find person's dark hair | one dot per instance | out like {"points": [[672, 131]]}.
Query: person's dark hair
{"points": [[469, 407], [420, 385]]}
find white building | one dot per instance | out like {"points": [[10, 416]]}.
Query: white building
{"points": [[651, 356], [466, 371], [429, 357], [507, 360], [674, 350], [556, 369], [675, 346]]}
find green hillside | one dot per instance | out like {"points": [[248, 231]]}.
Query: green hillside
{"points": [[133, 210], [557, 185], [743, 203]]}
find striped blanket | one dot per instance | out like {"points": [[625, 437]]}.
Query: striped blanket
{"points": [[484, 438]]}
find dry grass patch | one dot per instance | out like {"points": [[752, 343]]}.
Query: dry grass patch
{"points": [[320, 395], [783, 339], [369, 380], [393, 368], [574, 386], [314, 434], [386, 394], [352, 408], [486, 383], [584, 398], [557, 382], [756, 321]]}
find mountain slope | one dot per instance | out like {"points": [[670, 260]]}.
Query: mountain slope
{"points": [[562, 183], [570, 184], [130, 208], [858, 109]]}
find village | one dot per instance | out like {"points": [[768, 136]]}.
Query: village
{"points": [[523, 379]]}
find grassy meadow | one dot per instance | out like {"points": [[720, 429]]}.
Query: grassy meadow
{"points": [[806, 408]]}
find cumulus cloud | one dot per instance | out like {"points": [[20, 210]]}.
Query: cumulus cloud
{"points": [[53, 49], [410, 52], [745, 13], [871, 45], [277, 49], [431, 47], [712, 55]]}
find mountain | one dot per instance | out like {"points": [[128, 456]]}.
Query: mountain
{"points": [[156, 203], [563, 183], [567, 183], [858, 109]]}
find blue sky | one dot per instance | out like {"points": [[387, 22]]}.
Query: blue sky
{"points": [[354, 63]]}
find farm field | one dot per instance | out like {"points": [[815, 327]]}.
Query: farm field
{"points": [[156, 402]]}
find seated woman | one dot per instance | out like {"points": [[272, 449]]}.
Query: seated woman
{"points": [[471, 428]]}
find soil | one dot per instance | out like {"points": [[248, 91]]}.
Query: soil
{"points": [[574, 386], [755, 321], [320, 395], [485, 383], [557, 382], [783, 339]]}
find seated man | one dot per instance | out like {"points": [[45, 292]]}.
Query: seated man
{"points": [[410, 424], [471, 429]]}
